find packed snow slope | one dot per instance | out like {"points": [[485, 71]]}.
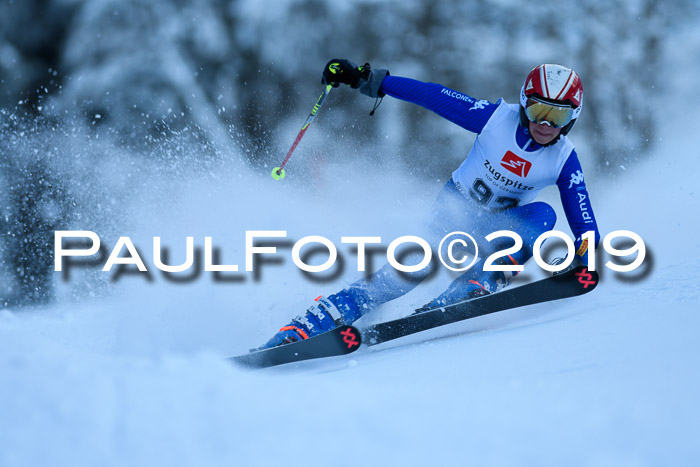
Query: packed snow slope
{"points": [[139, 376]]}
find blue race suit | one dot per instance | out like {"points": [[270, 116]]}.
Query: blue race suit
{"points": [[492, 190]]}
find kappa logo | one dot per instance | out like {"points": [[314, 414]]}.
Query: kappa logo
{"points": [[576, 178], [516, 164], [481, 104]]}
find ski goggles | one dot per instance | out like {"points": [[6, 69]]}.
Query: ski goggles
{"points": [[539, 111]]}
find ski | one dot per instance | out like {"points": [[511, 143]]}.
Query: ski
{"points": [[571, 283], [339, 341], [347, 339]]}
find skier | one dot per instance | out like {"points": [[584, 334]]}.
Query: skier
{"points": [[520, 149]]}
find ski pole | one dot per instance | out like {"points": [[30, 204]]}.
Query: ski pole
{"points": [[278, 172]]}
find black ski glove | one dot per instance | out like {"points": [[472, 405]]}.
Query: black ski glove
{"points": [[343, 71]]}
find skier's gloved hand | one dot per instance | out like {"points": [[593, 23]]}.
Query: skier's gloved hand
{"points": [[343, 71]]}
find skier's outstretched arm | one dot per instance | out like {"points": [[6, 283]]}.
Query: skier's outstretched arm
{"points": [[456, 107], [459, 108]]}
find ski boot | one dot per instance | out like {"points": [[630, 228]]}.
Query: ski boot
{"points": [[344, 307], [322, 316]]}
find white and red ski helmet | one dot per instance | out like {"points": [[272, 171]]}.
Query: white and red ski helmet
{"points": [[556, 84]]}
